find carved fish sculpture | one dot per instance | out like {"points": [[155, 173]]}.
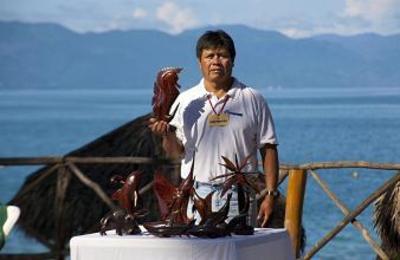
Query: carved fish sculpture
{"points": [[203, 206], [173, 202], [124, 217], [213, 225], [128, 195], [164, 191]]}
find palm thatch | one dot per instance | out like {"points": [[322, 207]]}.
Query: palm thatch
{"points": [[387, 220], [82, 208]]}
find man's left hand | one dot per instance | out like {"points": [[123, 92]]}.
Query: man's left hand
{"points": [[265, 211]]}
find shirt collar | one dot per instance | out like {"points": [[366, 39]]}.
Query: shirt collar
{"points": [[232, 92]]}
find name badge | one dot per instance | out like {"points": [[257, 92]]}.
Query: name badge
{"points": [[218, 119]]}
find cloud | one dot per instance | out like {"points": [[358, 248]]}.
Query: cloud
{"points": [[176, 17], [139, 13], [294, 32], [378, 15], [357, 16], [369, 9]]}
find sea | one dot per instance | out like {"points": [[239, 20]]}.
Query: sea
{"points": [[313, 125]]}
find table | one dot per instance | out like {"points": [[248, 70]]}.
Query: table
{"points": [[266, 243]]}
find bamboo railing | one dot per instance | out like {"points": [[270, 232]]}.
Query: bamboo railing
{"points": [[295, 199], [297, 179]]}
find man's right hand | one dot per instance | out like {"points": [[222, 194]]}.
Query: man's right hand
{"points": [[159, 127], [171, 145]]}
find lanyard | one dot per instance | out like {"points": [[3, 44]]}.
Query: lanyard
{"points": [[223, 105]]}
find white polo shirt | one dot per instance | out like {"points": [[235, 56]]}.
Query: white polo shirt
{"points": [[250, 126]]}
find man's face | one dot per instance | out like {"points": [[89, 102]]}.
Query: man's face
{"points": [[216, 65]]}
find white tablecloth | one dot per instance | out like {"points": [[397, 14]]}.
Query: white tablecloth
{"points": [[265, 244]]}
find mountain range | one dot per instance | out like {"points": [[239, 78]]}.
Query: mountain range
{"points": [[49, 56]]}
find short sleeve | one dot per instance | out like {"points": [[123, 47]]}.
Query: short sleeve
{"points": [[177, 119], [266, 129]]}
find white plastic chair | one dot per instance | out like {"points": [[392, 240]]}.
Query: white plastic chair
{"points": [[13, 213]]}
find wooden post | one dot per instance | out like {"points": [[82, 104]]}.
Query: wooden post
{"points": [[294, 206], [63, 181]]}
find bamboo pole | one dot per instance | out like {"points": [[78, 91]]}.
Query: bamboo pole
{"points": [[138, 160], [63, 180], [294, 206], [37, 181], [343, 164], [349, 217], [93, 185], [6, 161], [146, 188], [358, 225]]}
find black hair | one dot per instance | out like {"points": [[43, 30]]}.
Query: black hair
{"points": [[215, 39]]}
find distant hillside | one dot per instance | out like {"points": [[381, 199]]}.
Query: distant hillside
{"points": [[50, 56]]}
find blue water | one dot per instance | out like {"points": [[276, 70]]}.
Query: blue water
{"points": [[313, 125]]}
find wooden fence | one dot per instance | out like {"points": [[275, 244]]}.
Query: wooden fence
{"points": [[295, 198]]}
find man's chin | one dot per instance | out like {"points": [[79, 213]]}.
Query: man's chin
{"points": [[218, 77]]}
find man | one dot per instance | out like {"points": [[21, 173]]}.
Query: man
{"points": [[221, 117]]}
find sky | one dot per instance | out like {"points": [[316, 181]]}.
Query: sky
{"points": [[301, 18]]}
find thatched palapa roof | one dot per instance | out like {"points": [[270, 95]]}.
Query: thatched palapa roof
{"points": [[387, 220], [82, 207]]}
